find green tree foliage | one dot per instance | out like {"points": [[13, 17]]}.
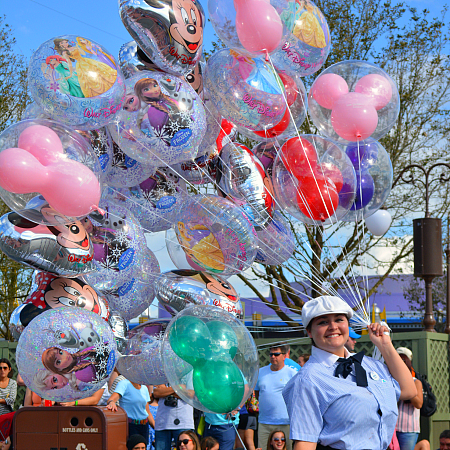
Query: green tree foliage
{"points": [[412, 47], [13, 78], [15, 278]]}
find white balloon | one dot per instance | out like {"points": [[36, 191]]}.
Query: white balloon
{"points": [[379, 222]]}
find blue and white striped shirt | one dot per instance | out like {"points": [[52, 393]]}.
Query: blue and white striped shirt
{"points": [[335, 411]]}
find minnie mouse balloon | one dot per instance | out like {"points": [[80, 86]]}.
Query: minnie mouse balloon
{"points": [[162, 120], [178, 289], [353, 100], [59, 292], [66, 355], [76, 81], [64, 250], [170, 32], [246, 91], [308, 43]]}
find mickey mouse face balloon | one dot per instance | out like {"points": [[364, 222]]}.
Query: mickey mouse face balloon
{"points": [[169, 31], [178, 289]]}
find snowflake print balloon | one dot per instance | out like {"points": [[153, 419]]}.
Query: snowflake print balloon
{"points": [[117, 239], [66, 354], [162, 120]]}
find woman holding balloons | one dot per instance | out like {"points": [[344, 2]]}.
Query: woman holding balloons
{"points": [[334, 380]]}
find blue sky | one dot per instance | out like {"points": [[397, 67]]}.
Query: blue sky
{"points": [[34, 22]]}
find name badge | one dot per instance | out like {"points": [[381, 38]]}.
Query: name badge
{"points": [[374, 376]]}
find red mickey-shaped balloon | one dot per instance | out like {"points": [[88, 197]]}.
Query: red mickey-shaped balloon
{"points": [[299, 156]]}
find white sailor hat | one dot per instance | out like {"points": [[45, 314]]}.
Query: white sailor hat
{"points": [[326, 304]]}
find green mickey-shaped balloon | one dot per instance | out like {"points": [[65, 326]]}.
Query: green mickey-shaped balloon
{"points": [[190, 339], [219, 385], [224, 342]]}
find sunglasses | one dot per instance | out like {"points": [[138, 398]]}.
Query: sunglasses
{"points": [[4, 368], [276, 354], [279, 439], [184, 441]]}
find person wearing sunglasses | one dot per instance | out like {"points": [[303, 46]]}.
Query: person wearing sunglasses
{"points": [[188, 440], [272, 379], [8, 387], [277, 440], [342, 400]]}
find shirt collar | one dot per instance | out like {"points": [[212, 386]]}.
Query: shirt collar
{"points": [[327, 358]]}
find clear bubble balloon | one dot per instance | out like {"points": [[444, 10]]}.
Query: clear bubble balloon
{"points": [[44, 157], [296, 106], [275, 241], [154, 201], [76, 81], [248, 25], [118, 242], [210, 359], [308, 43], [374, 176], [216, 235], [66, 354], [141, 361], [126, 171], [353, 100], [136, 294], [119, 328], [162, 120], [197, 171], [246, 91], [314, 180], [178, 289], [266, 152]]}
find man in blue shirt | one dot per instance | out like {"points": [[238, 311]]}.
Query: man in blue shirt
{"points": [[272, 379], [288, 361]]}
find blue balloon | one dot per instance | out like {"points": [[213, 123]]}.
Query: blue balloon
{"points": [[365, 188], [364, 154]]}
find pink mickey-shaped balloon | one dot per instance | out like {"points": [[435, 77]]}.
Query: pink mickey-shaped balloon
{"points": [[328, 88], [258, 25], [42, 142], [376, 87], [72, 188], [354, 116], [15, 161]]}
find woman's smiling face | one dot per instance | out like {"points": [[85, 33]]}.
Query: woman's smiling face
{"points": [[330, 333]]}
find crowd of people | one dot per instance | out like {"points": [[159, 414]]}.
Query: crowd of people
{"points": [[294, 405]]}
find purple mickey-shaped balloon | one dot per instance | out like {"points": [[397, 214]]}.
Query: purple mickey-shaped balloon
{"points": [[365, 188], [363, 154]]}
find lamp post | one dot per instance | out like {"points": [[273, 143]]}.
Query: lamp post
{"points": [[447, 254], [427, 239]]}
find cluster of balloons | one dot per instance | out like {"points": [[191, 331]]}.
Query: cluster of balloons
{"points": [[113, 149]]}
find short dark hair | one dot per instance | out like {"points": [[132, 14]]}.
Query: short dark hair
{"points": [[6, 361], [208, 443], [445, 434], [283, 346], [305, 356]]}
